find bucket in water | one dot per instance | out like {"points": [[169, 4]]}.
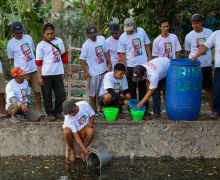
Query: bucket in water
{"points": [[98, 159], [183, 89], [137, 115], [110, 113]]}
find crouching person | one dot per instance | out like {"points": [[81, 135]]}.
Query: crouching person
{"points": [[114, 91], [79, 126], [18, 98]]}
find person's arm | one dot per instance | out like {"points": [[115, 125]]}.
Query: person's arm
{"points": [[84, 67], [109, 63], [115, 95], [122, 58], [145, 98], [148, 51], [80, 143], [202, 50], [39, 75]]}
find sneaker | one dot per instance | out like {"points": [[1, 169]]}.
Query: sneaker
{"points": [[51, 117], [59, 116], [213, 115], [14, 119], [147, 114]]}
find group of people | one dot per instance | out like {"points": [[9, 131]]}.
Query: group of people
{"points": [[118, 68]]}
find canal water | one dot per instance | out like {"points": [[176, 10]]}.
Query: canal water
{"points": [[58, 169]]}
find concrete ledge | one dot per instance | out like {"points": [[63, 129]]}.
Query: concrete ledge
{"points": [[122, 138]]}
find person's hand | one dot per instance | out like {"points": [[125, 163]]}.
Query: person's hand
{"points": [[91, 125], [24, 108], [109, 67], [86, 152], [139, 105], [193, 58], [86, 75], [70, 73], [40, 81]]}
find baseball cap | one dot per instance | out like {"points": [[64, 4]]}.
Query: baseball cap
{"points": [[197, 17], [114, 27], [129, 24], [138, 72], [17, 71], [91, 30], [17, 27], [68, 106]]}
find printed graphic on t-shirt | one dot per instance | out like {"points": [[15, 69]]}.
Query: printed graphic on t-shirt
{"points": [[200, 42], [56, 54], [137, 47], [117, 87], [25, 48], [82, 120], [168, 49], [151, 65], [23, 95], [99, 54]]}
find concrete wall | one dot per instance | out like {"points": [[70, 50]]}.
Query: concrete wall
{"points": [[123, 139]]}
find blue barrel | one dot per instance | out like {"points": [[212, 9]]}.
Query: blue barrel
{"points": [[183, 89]]}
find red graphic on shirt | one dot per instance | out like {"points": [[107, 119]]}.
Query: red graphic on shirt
{"points": [[99, 54], [25, 48], [151, 65], [137, 47], [168, 49], [56, 54]]}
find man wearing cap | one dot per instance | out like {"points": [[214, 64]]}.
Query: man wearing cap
{"points": [[3, 112], [166, 44], [79, 126], [21, 49], [112, 43], [18, 97], [134, 49], [194, 40], [155, 72], [213, 41], [94, 54]]}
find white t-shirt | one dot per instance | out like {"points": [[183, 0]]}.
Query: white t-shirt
{"points": [[109, 81], [166, 46], [194, 40], [81, 119], [20, 91], [134, 47], [93, 53], [156, 70], [214, 40], [22, 51], [1, 70], [112, 46], [52, 62]]}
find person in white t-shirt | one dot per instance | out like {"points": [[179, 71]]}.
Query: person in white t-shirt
{"points": [[3, 112], [50, 58], [213, 41], [112, 43], [21, 49], [166, 44], [134, 49], [79, 126], [114, 91], [94, 61], [18, 97], [193, 42], [155, 72]]}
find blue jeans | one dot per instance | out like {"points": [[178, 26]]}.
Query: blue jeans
{"points": [[157, 96], [216, 91]]}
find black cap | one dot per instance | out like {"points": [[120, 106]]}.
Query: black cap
{"points": [[68, 106], [91, 30], [197, 17], [17, 27], [138, 73], [114, 27]]}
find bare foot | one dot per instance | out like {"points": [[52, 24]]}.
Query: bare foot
{"points": [[70, 155]]}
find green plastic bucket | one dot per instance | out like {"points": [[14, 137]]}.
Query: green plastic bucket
{"points": [[137, 115], [110, 113]]}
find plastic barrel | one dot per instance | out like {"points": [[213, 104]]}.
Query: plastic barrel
{"points": [[183, 89]]}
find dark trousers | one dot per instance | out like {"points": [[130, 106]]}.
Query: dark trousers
{"points": [[157, 96], [216, 91], [141, 85], [55, 84]]}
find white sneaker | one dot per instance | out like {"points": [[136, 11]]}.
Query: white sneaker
{"points": [[14, 119]]}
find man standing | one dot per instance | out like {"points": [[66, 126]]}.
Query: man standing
{"points": [[166, 44], [21, 49], [94, 55], [213, 41], [134, 49], [112, 43], [50, 57], [193, 42]]}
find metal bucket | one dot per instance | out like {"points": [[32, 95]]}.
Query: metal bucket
{"points": [[98, 159]]}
